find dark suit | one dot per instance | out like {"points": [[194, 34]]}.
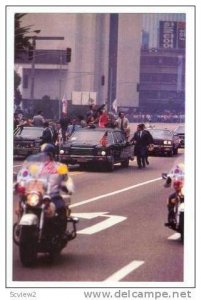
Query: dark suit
{"points": [[47, 136], [142, 140]]}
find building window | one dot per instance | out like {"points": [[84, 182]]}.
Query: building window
{"points": [[158, 78]]}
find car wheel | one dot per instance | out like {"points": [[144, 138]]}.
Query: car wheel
{"points": [[82, 166], [175, 151], [125, 163], [170, 153], [110, 164]]}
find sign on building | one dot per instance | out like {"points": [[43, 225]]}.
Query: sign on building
{"points": [[168, 34], [181, 28], [171, 35], [83, 98]]}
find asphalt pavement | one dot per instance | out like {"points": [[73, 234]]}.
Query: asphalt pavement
{"points": [[121, 233]]}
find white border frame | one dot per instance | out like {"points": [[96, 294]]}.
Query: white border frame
{"points": [[189, 254]]}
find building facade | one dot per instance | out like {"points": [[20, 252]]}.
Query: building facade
{"points": [[162, 80], [162, 63], [137, 59], [100, 67]]}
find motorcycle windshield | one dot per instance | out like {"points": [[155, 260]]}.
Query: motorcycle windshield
{"points": [[41, 167], [177, 172], [31, 167]]}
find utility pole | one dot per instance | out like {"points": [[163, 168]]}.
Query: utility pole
{"points": [[60, 81], [110, 90], [34, 38], [33, 67]]}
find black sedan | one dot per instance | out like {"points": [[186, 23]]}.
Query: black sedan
{"points": [[27, 140], [97, 147], [165, 142], [180, 132]]}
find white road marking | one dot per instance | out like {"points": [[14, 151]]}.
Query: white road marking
{"points": [[88, 216], [17, 166], [110, 221], [174, 236], [117, 276], [114, 193]]}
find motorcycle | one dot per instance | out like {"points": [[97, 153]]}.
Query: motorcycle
{"points": [[177, 214], [40, 228]]}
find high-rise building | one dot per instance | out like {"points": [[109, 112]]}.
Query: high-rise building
{"points": [[136, 58], [162, 62]]}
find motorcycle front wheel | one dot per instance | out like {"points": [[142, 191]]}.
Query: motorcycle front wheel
{"points": [[28, 245]]}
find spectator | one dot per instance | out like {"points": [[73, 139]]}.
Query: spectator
{"points": [[16, 121], [38, 119], [91, 122], [64, 125], [72, 127], [103, 119], [91, 112], [123, 124], [82, 121]]}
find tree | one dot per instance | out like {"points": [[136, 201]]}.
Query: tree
{"points": [[22, 43], [17, 93]]}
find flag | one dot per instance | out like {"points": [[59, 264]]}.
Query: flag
{"points": [[114, 105], [64, 105]]}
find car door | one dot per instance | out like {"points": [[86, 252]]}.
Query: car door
{"points": [[127, 150], [176, 140], [118, 145]]}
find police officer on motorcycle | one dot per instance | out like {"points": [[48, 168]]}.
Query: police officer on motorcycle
{"points": [[173, 201], [57, 181], [59, 186]]}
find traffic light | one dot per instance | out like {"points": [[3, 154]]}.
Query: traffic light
{"points": [[68, 54]]}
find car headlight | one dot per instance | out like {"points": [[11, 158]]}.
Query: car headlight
{"points": [[33, 199], [64, 151], [167, 142], [103, 153]]}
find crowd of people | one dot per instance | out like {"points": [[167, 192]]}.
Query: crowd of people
{"points": [[63, 128], [158, 117], [58, 132]]}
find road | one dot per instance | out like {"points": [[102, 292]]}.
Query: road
{"points": [[121, 233]]}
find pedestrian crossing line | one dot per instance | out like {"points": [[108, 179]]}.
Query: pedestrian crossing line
{"points": [[117, 276], [174, 236]]}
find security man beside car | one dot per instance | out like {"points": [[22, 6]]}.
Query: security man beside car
{"points": [[48, 134], [141, 139]]}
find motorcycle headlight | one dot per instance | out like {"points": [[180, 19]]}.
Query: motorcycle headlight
{"points": [[33, 199]]}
